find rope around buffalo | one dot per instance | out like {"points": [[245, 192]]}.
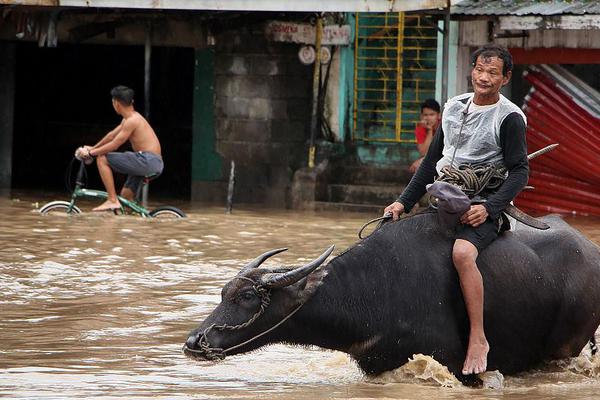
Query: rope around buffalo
{"points": [[474, 179]]}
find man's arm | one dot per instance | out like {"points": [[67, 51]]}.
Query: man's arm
{"points": [[425, 174], [109, 136], [514, 147], [125, 131]]}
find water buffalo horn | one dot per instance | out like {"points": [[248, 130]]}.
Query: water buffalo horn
{"points": [[259, 260], [287, 278]]}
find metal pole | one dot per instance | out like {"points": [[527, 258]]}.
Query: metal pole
{"points": [[147, 59], [230, 188], [315, 99], [445, 51]]}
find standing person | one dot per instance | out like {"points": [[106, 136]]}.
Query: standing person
{"points": [[426, 128], [144, 160], [477, 128]]}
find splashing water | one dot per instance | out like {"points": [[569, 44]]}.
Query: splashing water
{"points": [[419, 369]]}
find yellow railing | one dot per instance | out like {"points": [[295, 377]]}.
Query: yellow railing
{"points": [[394, 72]]}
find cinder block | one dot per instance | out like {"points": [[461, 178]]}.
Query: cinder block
{"points": [[258, 109], [249, 130], [266, 65], [283, 130], [232, 107], [279, 109], [253, 86]]}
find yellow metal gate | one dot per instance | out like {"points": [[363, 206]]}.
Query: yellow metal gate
{"points": [[394, 72]]}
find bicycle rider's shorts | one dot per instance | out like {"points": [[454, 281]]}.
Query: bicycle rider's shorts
{"points": [[136, 165]]}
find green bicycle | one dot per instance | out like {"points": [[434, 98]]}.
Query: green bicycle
{"points": [[134, 207]]}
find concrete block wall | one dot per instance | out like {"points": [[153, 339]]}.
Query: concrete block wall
{"points": [[262, 113]]}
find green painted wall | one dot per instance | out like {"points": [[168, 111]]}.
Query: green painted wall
{"points": [[346, 77], [206, 162]]}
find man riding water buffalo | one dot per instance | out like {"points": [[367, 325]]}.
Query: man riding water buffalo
{"points": [[477, 128], [396, 293]]}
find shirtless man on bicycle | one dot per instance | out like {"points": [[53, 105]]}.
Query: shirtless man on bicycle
{"points": [[144, 160]]}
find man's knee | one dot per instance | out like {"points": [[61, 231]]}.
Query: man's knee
{"points": [[102, 159], [464, 254]]}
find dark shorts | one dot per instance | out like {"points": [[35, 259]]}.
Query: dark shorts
{"points": [[481, 236], [136, 165]]}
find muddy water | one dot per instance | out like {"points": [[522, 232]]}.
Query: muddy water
{"points": [[100, 305]]}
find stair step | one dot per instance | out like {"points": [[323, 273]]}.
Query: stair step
{"points": [[378, 195], [366, 174], [349, 207]]}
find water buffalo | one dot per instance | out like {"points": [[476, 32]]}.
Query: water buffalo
{"points": [[396, 293]]}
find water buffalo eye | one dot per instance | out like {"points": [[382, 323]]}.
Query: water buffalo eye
{"points": [[247, 296]]}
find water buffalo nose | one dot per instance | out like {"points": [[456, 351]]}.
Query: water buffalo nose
{"points": [[191, 341]]}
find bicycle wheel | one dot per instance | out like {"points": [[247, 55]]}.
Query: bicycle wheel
{"points": [[167, 212], [59, 207]]}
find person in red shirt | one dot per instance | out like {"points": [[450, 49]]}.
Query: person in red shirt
{"points": [[430, 120]]}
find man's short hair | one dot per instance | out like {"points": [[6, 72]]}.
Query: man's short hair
{"points": [[123, 95], [431, 104], [494, 50]]}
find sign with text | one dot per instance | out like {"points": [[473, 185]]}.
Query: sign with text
{"points": [[291, 32]]}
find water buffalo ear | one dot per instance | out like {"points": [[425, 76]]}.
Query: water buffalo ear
{"points": [[283, 279]]}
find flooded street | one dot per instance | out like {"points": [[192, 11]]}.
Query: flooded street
{"points": [[100, 306]]}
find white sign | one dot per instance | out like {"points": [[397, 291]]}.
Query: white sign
{"points": [[279, 31]]}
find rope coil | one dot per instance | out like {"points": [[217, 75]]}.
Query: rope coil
{"points": [[474, 179]]}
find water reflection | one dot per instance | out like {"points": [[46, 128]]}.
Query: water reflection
{"points": [[99, 305]]}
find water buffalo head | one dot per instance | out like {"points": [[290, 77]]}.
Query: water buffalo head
{"points": [[253, 304]]}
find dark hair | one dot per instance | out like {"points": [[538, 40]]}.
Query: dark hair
{"points": [[494, 50], [431, 104], [123, 95]]}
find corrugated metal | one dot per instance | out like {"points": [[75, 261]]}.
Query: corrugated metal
{"points": [[475, 33], [527, 7], [558, 107]]}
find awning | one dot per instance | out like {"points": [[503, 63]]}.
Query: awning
{"points": [[246, 5]]}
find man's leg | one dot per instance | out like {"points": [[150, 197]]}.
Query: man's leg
{"points": [[106, 175], [464, 255], [127, 193]]}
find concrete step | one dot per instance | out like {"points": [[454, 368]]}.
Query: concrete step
{"points": [[377, 195], [367, 174], [349, 207]]}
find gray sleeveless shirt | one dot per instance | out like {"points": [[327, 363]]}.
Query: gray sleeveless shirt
{"points": [[480, 138]]}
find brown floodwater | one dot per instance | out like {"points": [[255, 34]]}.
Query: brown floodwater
{"points": [[100, 306]]}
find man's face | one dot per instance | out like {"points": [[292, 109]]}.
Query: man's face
{"points": [[116, 105], [487, 75], [429, 117]]}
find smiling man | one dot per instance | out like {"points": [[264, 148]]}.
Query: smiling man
{"points": [[480, 128]]}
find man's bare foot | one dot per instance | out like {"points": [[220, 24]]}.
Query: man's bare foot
{"points": [[108, 206], [476, 360]]}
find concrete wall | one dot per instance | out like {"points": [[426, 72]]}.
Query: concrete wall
{"points": [[262, 110]]}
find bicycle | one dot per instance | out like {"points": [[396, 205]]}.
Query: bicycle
{"points": [[80, 191]]}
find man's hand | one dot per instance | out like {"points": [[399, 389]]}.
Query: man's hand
{"points": [[396, 208], [82, 154], [476, 215], [427, 125], [79, 153]]}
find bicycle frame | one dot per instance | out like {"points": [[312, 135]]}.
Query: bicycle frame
{"points": [[80, 191]]}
